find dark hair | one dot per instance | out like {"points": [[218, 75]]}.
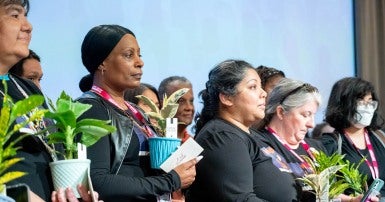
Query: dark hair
{"points": [[223, 78], [342, 103], [85, 83], [266, 73], [130, 94], [164, 86], [98, 44], [23, 3], [18, 69]]}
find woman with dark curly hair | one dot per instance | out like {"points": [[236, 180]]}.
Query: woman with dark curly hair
{"points": [[352, 111]]}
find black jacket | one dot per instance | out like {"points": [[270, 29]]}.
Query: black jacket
{"points": [[115, 171]]}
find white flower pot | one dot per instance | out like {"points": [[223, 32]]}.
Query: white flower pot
{"points": [[4, 198], [70, 173]]}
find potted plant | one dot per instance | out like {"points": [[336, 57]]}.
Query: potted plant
{"points": [[161, 147], [75, 135], [332, 176], [10, 136]]}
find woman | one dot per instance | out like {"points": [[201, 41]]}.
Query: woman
{"points": [[290, 112], [352, 111], [111, 54], [146, 90], [29, 68], [15, 32], [269, 77], [235, 166]]}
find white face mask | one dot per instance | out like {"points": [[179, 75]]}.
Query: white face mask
{"points": [[364, 116]]}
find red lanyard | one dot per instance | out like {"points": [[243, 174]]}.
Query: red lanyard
{"points": [[137, 115], [373, 166], [304, 145]]}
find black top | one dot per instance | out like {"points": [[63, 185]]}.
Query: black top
{"points": [[235, 168], [293, 161], [132, 182], [36, 158], [330, 142]]}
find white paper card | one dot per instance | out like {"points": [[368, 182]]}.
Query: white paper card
{"points": [[172, 127], [82, 151], [187, 151]]}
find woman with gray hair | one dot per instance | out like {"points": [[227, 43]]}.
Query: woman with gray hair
{"points": [[289, 114]]}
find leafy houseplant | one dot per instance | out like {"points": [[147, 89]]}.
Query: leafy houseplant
{"points": [[65, 113], [169, 108], [332, 176], [9, 136], [162, 147], [71, 131]]}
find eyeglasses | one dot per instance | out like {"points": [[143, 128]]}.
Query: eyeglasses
{"points": [[309, 88], [371, 103]]}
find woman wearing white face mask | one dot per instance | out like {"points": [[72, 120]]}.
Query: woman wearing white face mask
{"points": [[352, 111]]}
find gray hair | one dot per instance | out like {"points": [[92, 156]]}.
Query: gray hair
{"points": [[290, 94]]}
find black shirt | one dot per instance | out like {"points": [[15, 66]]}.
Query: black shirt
{"points": [[234, 168], [133, 181], [36, 158], [330, 142]]}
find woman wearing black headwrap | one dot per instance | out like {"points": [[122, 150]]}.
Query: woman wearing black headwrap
{"points": [[119, 168]]}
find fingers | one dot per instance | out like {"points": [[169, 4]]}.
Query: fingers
{"points": [[70, 195], [191, 163], [58, 196], [83, 192], [53, 196]]}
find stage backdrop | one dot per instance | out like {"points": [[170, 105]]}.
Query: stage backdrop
{"points": [[310, 41]]}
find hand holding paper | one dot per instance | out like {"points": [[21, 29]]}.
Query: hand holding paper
{"points": [[187, 151]]}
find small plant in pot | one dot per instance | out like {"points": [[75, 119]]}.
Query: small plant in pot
{"points": [[27, 108], [333, 176], [166, 126], [75, 136]]}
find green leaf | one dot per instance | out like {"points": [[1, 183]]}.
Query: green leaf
{"points": [[4, 120], [89, 139], [11, 176], [147, 101], [26, 105], [177, 95], [63, 119], [169, 111], [8, 163], [56, 137]]}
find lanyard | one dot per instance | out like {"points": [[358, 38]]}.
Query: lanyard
{"points": [[5, 77], [136, 115], [373, 166], [304, 145]]}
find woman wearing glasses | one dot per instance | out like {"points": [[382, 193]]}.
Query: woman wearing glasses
{"points": [[352, 111], [289, 115]]}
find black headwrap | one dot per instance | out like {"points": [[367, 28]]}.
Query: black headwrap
{"points": [[98, 44]]}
